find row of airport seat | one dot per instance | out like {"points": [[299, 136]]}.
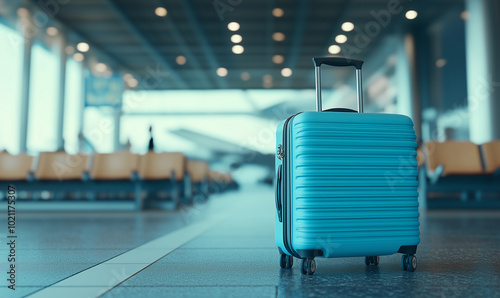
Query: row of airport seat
{"points": [[59, 172], [463, 168], [460, 158]]}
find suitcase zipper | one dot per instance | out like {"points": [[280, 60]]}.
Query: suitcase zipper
{"points": [[287, 241]]}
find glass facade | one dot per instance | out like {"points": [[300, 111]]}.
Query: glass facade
{"points": [[11, 58]]}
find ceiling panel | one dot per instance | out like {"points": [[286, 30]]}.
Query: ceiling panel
{"points": [[194, 29]]}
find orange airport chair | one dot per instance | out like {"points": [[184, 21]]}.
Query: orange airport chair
{"points": [[491, 155], [61, 166], [453, 158], [460, 166], [15, 167], [52, 168], [162, 166], [163, 172], [198, 173], [198, 170], [114, 166], [116, 173]]}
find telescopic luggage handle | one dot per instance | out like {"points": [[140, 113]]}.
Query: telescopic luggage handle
{"points": [[339, 62]]}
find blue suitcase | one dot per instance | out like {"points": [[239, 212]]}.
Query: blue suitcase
{"points": [[346, 183]]}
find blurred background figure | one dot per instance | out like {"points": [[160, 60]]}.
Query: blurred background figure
{"points": [[151, 144], [128, 146]]}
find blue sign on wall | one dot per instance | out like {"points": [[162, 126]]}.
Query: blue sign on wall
{"points": [[103, 91]]}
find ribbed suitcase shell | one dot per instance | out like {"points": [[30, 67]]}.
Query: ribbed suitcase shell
{"points": [[353, 184]]}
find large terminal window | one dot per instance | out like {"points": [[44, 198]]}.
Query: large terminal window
{"points": [[11, 55], [43, 100]]}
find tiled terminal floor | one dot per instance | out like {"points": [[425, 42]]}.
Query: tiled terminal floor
{"points": [[228, 251]]}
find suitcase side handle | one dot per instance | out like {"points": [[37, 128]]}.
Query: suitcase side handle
{"points": [[278, 192], [340, 62]]}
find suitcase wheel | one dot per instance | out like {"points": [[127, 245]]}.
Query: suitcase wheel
{"points": [[409, 263], [286, 261], [372, 260], [308, 266]]}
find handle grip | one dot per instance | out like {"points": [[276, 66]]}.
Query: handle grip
{"points": [[341, 62], [338, 61], [278, 192], [344, 110]]}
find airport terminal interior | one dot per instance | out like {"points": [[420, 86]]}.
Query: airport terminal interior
{"points": [[140, 149]]}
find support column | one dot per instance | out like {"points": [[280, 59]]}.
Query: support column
{"points": [[116, 133], [408, 101], [60, 48], [28, 35], [483, 75], [81, 120]]}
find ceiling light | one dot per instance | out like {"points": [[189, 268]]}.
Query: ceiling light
{"points": [[161, 11], [127, 77], [221, 72], [22, 12], [245, 76], [78, 57], [233, 26], [268, 84], [464, 15], [238, 49], [286, 72], [411, 14], [132, 83], [278, 59], [83, 47], [236, 38], [52, 31], [101, 67], [278, 36], [347, 26], [334, 49], [69, 50], [278, 12], [267, 78], [341, 38], [181, 60], [440, 62]]}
